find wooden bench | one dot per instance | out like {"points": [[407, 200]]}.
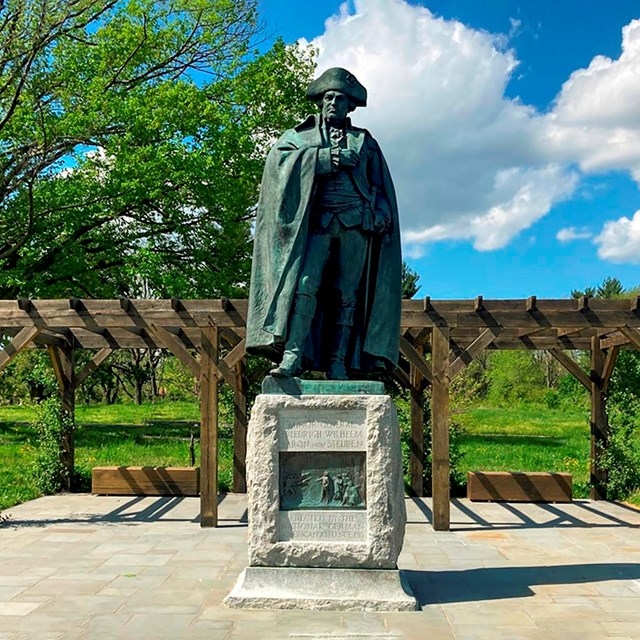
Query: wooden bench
{"points": [[146, 481], [504, 486]]}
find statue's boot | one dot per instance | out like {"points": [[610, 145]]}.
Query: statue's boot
{"points": [[291, 364], [337, 367]]}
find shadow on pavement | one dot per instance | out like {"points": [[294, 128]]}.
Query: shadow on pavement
{"points": [[131, 512], [470, 585], [547, 516]]}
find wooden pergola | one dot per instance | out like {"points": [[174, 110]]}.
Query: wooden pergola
{"points": [[439, 338]]}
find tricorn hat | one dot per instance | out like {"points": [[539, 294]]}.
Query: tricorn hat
{"points": [[338, 79]]}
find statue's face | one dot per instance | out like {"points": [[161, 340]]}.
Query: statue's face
{"points": [[335, 106]]}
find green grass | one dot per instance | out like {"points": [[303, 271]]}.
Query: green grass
{"points": [[527, 438], [507, 439], [17, 442], [148, 435]]}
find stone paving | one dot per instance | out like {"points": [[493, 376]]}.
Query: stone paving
{"points": [[81, 566]]}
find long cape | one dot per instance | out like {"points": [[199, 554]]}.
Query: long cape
{"points": [[282, 228]]}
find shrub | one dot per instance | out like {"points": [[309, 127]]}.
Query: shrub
{"points": [[515, 376], [621, 460], [52, 424], [457, 478]]}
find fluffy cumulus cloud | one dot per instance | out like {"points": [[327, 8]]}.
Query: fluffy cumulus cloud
{"points": [[469, 163], [619, 240], [596, 120]]}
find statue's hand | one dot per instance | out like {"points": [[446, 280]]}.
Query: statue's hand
{"points": [[380, 223], [348, 159]]}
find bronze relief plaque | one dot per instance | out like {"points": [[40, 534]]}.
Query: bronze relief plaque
{"points": [[322, 480]]}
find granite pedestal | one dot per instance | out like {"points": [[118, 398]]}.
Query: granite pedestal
{"points": [[326, 499]]}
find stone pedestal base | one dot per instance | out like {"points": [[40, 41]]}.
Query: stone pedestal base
{"points": [[326, 499], [296, 524], [322, 589]]}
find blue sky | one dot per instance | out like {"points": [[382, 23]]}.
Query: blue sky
{"points": [[512, 130]]}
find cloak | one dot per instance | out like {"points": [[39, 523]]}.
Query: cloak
{"points": [[282, 228]]}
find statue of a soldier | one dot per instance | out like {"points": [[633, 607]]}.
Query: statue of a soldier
{"points": [[326, 275]]}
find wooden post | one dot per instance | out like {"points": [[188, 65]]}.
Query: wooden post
{"points": [[239, 430], [62, 359], [209, 427], [416, 460], [599, 422], [440, 428]]}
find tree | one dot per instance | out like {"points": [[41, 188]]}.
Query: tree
{"points": [[410, 279], [622, 456], [610, 288], [132, 138]]}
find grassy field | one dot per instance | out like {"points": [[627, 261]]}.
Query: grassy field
{"points": [[527, 439], [154, 435], [514, 439]]}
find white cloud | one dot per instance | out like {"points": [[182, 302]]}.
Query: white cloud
{"points": [[569, 234], [470, 164], [595, 119], [619, 240], [466, 161]]}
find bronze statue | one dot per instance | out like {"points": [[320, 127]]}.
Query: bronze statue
{"points": [[326, 276]]}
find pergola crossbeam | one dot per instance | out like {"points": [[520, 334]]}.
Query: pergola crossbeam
{"points": [[166, 338], [474, 350], [632, 335], [92, 365], [17, 344], [198, 332], [572, 367], [415, 358]]}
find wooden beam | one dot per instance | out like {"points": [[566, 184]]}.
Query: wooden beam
{"points": [[633, 335], [415, 358], [209, 427], [174, 345], [25, 304], [599, 422], [226, 373], [416, 314], [616, 340], [416, 445], [92, 365], [62, 359], [17, 344], [440, 428], [473, 350], [572, 367], [402, 377], [609, 365], [568, 331], [240, 422], [583, 303], [236, 354]]}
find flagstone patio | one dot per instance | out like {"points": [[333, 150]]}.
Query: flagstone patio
{"points": [[82, 566]]}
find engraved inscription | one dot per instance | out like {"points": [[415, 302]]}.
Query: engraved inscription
{"points": [[322, 430], [326, 526]]}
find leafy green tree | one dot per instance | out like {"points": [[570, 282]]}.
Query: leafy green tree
{"points": [[622, 458], [609, 288], [515, 376], [410, 279], [589, 292], [132, 138]]}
